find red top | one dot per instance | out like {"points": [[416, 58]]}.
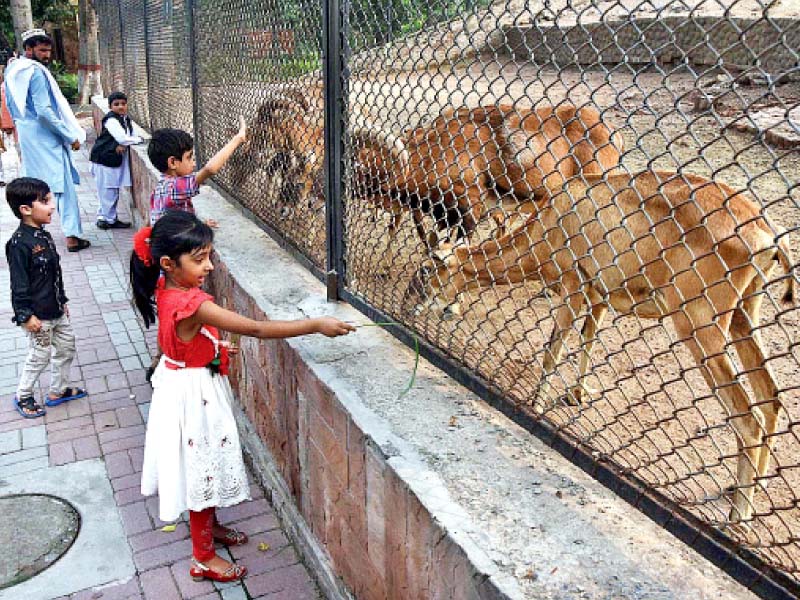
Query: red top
{"points": [[175, 305]]}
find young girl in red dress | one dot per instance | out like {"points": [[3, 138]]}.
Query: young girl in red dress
{"points": [[192, 455]]}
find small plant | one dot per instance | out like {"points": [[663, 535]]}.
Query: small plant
{"points": [[68, 82]]}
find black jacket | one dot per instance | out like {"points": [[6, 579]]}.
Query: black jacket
{"points": [[104, 151], [37, 287]]}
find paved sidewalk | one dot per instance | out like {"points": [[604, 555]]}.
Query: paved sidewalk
{"points": [[107, 428]]}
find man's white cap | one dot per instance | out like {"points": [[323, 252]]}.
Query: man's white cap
{"points": [[26, 35]]}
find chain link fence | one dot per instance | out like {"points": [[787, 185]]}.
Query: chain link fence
{"points": [[589, 210]]}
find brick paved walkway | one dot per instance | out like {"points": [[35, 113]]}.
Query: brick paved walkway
{"points": [[109, 424]]}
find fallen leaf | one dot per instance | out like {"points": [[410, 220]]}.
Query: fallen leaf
{"points": [[263, 547], [168, 528], [453, 421]]}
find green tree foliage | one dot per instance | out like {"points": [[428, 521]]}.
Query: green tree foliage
{"points": [[55, 11]]}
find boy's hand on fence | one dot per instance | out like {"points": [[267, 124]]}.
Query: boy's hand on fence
{"points": [[120, 150], [241, 137], [33, 325], [330, 327]]}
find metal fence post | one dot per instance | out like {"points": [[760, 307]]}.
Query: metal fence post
{"points": [[198, 145], [334, 63], [124, 64], [147, 66]]}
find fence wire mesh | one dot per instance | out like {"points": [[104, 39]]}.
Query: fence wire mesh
{"points": [[264, 64], [591, 207], [134, 51], [169, 64], [110, 45]]}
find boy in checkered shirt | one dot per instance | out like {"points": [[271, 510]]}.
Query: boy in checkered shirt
{"points": [[172, 152]]}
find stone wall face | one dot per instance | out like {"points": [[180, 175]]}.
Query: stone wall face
{"points": [[369, 527], [378, 536]]}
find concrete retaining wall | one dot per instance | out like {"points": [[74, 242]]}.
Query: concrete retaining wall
{"points": [[699, 40], [432, 496]]}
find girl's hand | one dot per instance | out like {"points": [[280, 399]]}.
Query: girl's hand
{"points": [[233, 349], [330, 327]]}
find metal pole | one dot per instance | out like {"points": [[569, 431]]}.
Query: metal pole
{"points": [[334, 61], [123, 53], [198, 145], [147, 65]]}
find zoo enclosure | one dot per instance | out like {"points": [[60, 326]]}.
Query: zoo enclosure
{"points": [[691, 88]]}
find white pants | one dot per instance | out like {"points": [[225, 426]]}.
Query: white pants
{"points": [[107, 211], [54, 340]]}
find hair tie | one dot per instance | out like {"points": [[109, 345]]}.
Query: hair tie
{"points": [[141, 245]]}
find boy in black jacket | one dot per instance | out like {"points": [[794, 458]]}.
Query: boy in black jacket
{"points": [[110, 165], [38, 299]]}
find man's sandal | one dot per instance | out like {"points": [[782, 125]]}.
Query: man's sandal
{"points": [[28, 403], [199, 571], [231, 537], [70, 393]]}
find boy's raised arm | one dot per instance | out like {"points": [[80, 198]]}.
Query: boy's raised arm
{"points": [[218, 161]]}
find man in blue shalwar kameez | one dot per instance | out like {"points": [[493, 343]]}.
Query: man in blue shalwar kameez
{"points": [[47, 130]]}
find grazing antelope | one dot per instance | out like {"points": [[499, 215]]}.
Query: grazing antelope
{"points": [[454, 169], [654, 245], [287, 144], [457, 168]]}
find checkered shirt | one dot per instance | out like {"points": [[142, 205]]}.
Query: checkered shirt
{"points": [[173, 193]]}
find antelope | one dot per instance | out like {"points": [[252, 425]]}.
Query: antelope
{"points": [[457, 168], [287, 134], [655, 244]]}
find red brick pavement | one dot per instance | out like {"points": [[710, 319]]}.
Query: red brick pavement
{"points": [[112, 348]]}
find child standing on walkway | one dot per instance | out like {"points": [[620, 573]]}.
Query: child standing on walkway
{"points": [[192, 456], [172, 152], [38, 299], [110, 164]]}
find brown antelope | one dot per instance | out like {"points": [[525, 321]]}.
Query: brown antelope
{"points": [[655, 245], [457, 168], [287, 143]]}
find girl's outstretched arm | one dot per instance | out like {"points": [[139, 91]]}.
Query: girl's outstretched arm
{"points": [[226, 320]]}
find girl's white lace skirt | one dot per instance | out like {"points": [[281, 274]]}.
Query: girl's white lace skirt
{"points": [[192, 455]]}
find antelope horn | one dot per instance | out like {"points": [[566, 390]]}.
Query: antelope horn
{"points": [[372, 137]]}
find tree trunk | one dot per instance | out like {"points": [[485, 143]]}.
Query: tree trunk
{"points": [[88, 67], [22, 16]]}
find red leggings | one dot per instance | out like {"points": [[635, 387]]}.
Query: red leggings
{"points": [[201, 526]]}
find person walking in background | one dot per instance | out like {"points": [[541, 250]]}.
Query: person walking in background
{"points": [[110, 164], [6, 122], [47, 129], [38, 298], [192, 454]]}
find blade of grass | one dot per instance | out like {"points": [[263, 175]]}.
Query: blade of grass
{"points": [[416, 351]]}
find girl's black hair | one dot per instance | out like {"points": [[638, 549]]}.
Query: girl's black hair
{"points": [[174, 234]]}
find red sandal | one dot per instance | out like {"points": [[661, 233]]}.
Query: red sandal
{"points": [[231, 537], [198, 572]]}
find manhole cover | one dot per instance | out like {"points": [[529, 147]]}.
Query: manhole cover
{"points": [[37, 529]]}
